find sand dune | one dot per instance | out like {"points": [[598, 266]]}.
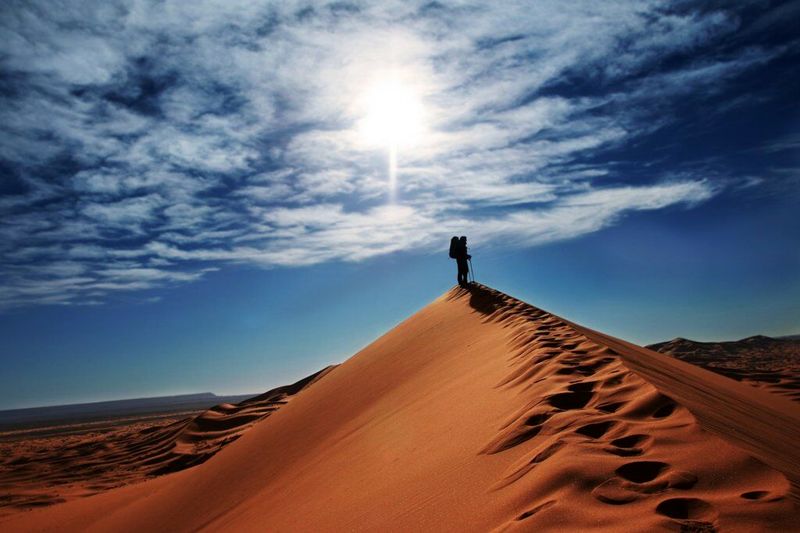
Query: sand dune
{"points": [[44, 471], [769, 363], [481, 412]]}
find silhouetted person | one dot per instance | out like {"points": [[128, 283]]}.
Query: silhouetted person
{"points": [[458, 251]]}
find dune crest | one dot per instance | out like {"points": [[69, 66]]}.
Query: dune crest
{"points": [[481, 412]]}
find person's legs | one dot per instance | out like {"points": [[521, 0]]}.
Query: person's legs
{"points": [[463, 270]]}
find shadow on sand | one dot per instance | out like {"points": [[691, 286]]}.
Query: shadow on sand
{"points": [[481, 298]]}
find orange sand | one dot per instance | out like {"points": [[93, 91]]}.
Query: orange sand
{"points": [[481, 412]]}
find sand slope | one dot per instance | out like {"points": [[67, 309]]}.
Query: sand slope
{"points": [[481, 412], [765, 362]]}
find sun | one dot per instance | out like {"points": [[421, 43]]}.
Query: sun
{"points": [[392, 115], [392, 119]]}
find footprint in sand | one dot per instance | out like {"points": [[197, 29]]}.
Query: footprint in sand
{"points": [[570, 400], [547, 452], [761, 495], [693, 514], [615, 380], [529, 429], [549, 344], [537, 420], [596, 430], [612, 407], [589, 369], [581, 386], [641, 471], [665, 410], [638, 479], [538, 508], [628, 446], [629, 441], [543, 358]]}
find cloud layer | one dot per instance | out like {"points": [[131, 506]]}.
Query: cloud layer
{"points": [[146, 143]]}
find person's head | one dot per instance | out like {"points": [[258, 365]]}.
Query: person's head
{"points": [[463, 239]]}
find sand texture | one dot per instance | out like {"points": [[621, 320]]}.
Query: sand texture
{"points": [[480, 413]]}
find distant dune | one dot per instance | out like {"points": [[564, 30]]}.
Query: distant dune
{"points": [[770, 363], [481, 412], [87, 458], [87, 413]]}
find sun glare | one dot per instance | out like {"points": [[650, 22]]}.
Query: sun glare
{"points": [[393, 115], [392, 120]]}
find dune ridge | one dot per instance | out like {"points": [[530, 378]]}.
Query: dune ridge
{"points": [[481, 412], [630, 416]]}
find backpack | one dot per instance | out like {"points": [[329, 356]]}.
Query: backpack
{"points": [[454, 247]]}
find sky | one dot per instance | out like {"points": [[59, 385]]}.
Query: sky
{"points": [[228, 195]]}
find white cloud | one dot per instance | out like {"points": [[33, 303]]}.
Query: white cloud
{"points": [[168, 133], [129, 213]]}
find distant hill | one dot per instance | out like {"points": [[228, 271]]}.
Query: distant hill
{"points": [[772, 363], [89, 412], [37, 470]]}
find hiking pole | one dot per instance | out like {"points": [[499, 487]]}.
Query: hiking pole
{"points": [[472, 270]]}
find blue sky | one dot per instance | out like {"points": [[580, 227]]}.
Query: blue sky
{"points": [[194, 196]]}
